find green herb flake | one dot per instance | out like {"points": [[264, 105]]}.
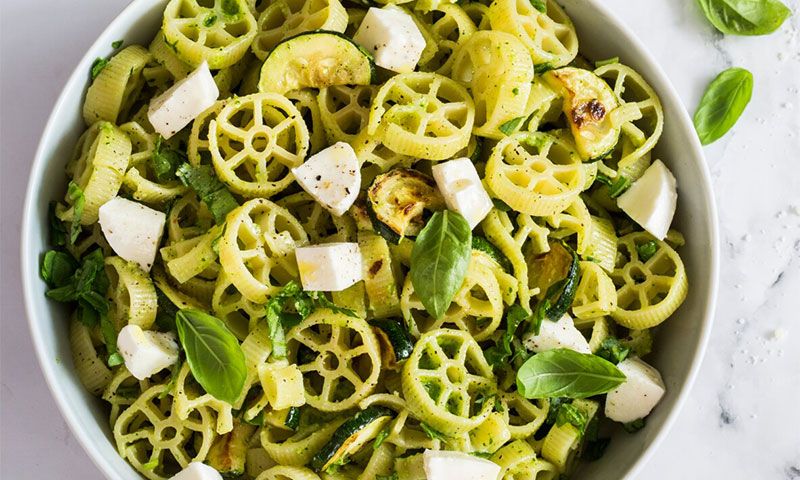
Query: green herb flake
{"points": [[515, 91], [613, 350], [647, 250], [165, 161], [211, 191], [230, 7], [97, 66], [501, 205], [380, 438], [608, 61], [115, 45], [569, 414], [722, 104], [210, 20], [431, 432], [620, 186], [540, 5], [77, 198], [634, 426], [511, 126], [595, 449]]}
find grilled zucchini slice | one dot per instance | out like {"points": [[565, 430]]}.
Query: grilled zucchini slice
{"points": [[351, 436], [395, 339]]}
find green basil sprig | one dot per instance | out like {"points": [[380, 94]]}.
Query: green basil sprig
{"points": [[722, 104], [567, 373], [215, 357], [439, 260], [745, 17]]}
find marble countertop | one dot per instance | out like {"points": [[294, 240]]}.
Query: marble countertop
{"points": [[741, 420]]}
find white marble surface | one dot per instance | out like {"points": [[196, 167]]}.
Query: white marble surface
{"points": [[741, 420]]}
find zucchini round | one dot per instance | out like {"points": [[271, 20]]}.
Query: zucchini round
{"points": [[395, 339], [557, 274], [481, 244], [351, 436], [398, 201], [316, 59], [588, 102]]}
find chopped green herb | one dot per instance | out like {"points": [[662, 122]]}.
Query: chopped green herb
{"points": [[498, 354], [230, 7], [173, 379], [57, 268], [608, 61], [501, 205], [210, 20], [58, 233], [75, 194], [208, 187], [379, 439], [613, 350], [431, 432], [165, 161], [647, 250], [486, 455], [540, 5], [568, 413], [117, 44], [151, 465], [595, 449], [510, 126], [604, 179], [542, 67], [165, 313], [393, 476], [620, 185], [634, 426], [97, 66], [515, 91]]}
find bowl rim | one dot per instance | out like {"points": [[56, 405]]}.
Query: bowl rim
{"points": [[30, 274]]}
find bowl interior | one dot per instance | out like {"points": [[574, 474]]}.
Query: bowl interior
{"points": [[680, 341]]}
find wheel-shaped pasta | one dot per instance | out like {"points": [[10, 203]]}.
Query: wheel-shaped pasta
{"points": [[518, 460], [257, 248], [116, 87], [478, 13], [140, 179], [230, 306], [477, 307], [447, 382], [500, 85], [188, 396], [648, 291], [91, 369], [218, 32], [97, 167], [132, 294], [283, 472], [150, 431], [449, 25], [321, 226], [198, 150], [524, 417], [344, 110], [549, 36], [422, 115], [635, 93], [535, 173], [306, 102], [122, 390], [286, 18], [596, 294], [376, 158], [188, 218], [255, 141], [515, 241], [340, 359], [573, 220]]}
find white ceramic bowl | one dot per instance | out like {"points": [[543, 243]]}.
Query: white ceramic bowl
{"points": [[681, 340]]}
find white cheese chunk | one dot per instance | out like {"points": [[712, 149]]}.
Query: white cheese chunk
{"points": [[462, 189], [392, 37], [448, 465], [332, 176], [560, 334], [197, 471], [640, 393], [146, 352], [133, 230], [651, 200], [331, 267], [183, 102]]}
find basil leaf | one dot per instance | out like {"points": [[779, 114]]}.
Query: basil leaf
{"points": [[511, 125], [566, 373], [165, 161], [568, 413], [745, 17], [497, 355], [210, 190], [432, 433], [439, 260], [57, 268], [215, 357], [539, 5], [620, 185], [58, 234], [75, 193], [275, 326], [97, 66], [722, 104]]}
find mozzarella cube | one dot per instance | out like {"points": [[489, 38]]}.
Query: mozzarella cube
{"points": [[638, 395], [392, 37], [146, 352], [560, 334], [448, 465], [651, 200], [332, 176], [197, 471], [283, 385], [462, 189], [331, 267], [132, 230], [183, 102]]}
